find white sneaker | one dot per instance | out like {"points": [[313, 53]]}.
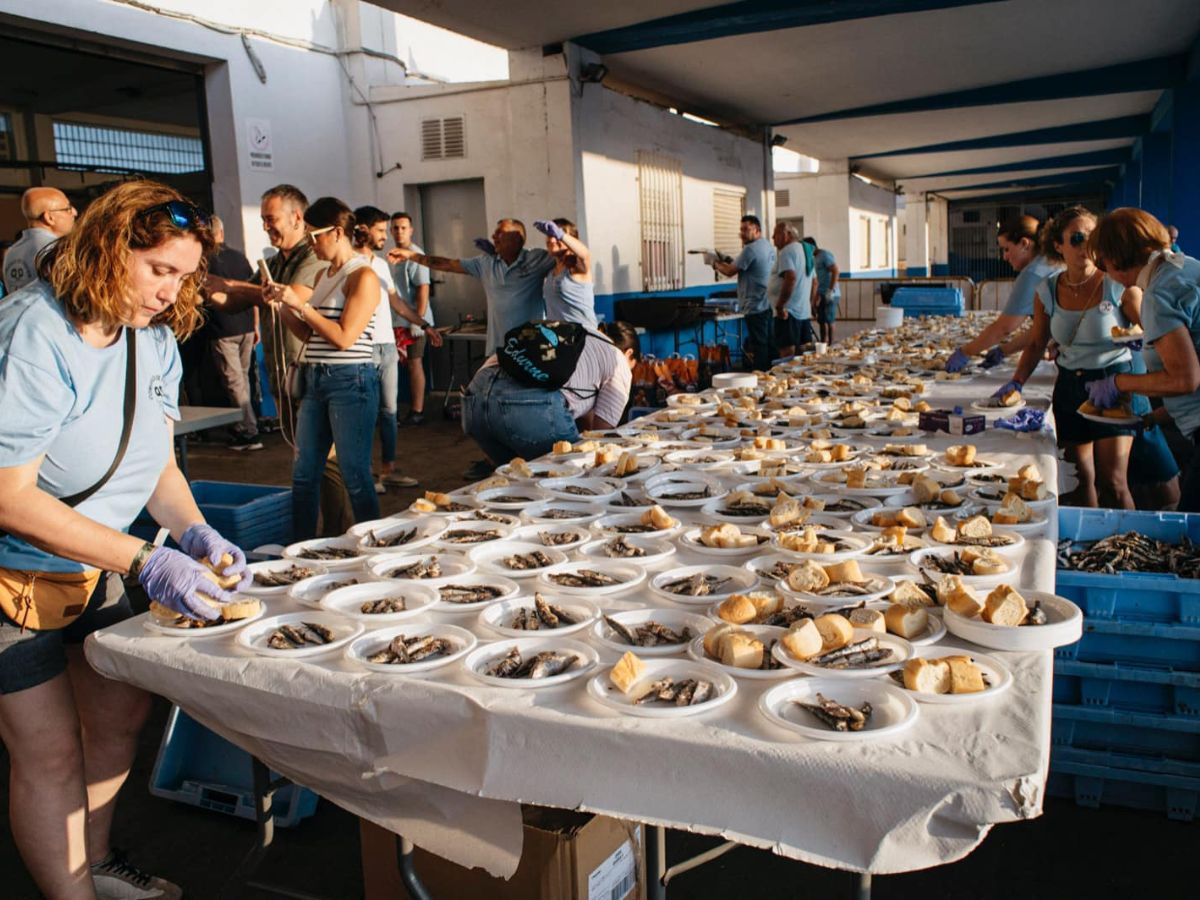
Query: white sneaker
{"points": [[118, 879], [379, 486]]}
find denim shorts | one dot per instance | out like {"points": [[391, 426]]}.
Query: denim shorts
{"points": [[1069, 394], [29, 658], [510, 419]]}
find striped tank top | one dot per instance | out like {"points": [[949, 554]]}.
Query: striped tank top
{"points": [[328, 299]]}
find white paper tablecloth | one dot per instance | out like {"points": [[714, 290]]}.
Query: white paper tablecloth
{"points": [[443, 760]]}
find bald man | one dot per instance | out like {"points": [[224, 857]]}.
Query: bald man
{"points": [[49, 215]]}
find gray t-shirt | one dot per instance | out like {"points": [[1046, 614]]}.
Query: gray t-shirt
{"points": [[754, 271], [20, 260]]}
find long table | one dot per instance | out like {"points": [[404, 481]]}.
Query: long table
{"points": [[444, 760]]}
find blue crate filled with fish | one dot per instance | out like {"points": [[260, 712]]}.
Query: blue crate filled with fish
{"points": [[1118, 731], [1094, 778], [1173, 647], [200, 768], [1124, 687], [1129, 565]]}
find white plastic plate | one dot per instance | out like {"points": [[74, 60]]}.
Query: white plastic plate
{"points": [[374, 641], [254, 637], [484, 655], [601, 689]]}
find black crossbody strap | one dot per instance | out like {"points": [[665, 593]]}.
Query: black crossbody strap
{"points": [[126, 427]]}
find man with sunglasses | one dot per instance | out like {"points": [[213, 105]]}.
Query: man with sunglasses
{"points": [[48, 216], [295, 266]]}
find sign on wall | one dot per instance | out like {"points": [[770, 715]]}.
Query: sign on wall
{"points": [[262, 155]]}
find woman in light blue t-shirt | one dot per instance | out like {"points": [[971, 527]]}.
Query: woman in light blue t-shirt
{"points": [[1078, 308], [103, 317], [569, 291]]}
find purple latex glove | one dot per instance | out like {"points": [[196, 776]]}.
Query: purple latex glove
{"points": [[550, 228], [1103, 392], [957, 361], [1007, 388], [994, 357], [176, 581], [485, 246], [202, 541]]}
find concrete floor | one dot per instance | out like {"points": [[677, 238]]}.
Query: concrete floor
{"points": [[1094, 853]]}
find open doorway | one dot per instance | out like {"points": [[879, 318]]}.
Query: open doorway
{"points": [[79, 116]]}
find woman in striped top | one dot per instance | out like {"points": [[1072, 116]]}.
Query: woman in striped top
{"points": [[339, 397]]}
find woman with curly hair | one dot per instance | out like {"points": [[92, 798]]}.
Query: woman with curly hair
{"points": [[89, 376]]}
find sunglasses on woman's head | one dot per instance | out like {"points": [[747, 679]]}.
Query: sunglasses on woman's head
{"points": [[182, 215]]}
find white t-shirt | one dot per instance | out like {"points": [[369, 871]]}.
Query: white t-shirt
{"points": [[381, 325]]}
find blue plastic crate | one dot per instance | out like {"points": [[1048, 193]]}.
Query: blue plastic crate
{"points": [[1175, 647], [250, 515], [922, 301], [1130, 596], [1093, 779], [1131, 688], [1111, 730], [200, 768]]}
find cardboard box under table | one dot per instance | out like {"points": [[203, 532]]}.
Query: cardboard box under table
{"points": [[442, 759]]}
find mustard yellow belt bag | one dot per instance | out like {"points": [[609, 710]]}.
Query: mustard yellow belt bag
{"points": [[45, 601]]}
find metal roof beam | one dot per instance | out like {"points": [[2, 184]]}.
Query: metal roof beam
{"points": [[1071, 190], [1105, 174], [1102, 130], [1113, 157], [751, 17], [1143, 75]]}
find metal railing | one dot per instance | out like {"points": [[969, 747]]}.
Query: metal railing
{"points": [[992, 294]]}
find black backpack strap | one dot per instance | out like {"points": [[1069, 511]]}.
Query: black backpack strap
{"points": [[126, 427]]}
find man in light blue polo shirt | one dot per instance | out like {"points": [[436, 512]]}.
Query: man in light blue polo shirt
{"points": [[512, 277], [412, 285], [753, 270], [829, 295], [48, 216], [790, 291]]}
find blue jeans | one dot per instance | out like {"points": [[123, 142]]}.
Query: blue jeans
{"points": [[387, 361], [508, 419], [760, 339], [340, 407]]}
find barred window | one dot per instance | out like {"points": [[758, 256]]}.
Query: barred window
{"points": [[660, 196], [122, 150], [6, 136], [728, 209]]}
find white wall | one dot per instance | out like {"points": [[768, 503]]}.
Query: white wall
{"points": [[518, 140], [824, 202], [611, 129], [872, 208]]}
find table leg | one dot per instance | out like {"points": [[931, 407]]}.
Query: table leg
{"points": [[181, 442], [412, 881], [264, 793], [656, 862], [862, 886]]}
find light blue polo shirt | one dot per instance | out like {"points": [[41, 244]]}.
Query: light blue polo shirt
{"points": [[825, 261], [1172, 300], [63, 399], [568, 300], [1090, 345], [20, 260], [754, 272], [514, 292], [791, 259], [408, 276], [1020, 299]]}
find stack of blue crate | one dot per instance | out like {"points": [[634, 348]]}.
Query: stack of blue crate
{"points": [[250, 515], [929, 301], [1126, 717]]}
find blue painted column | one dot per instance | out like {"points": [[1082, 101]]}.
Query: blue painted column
{"points": [[1184, 212], [1156, 176]]}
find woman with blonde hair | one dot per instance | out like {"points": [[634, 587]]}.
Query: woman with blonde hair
{"points": [[89, 379], [1134, 249], [1078, 308]]}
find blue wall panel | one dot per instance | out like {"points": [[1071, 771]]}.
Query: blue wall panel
{"points": [[1184, 211], [1156, 175]]}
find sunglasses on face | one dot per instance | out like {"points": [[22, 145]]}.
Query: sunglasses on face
{"points": [[182, 215], [1078, 238]]}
